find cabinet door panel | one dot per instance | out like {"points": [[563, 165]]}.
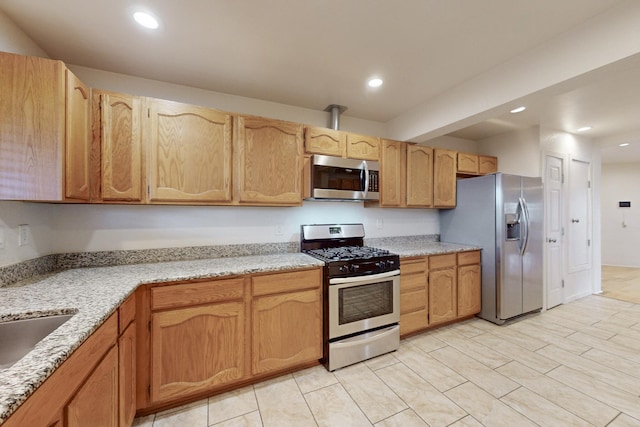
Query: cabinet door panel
{"points": [[468, 163], [468, 290], [325, 141], [287, 330], [419, 176], [488, 164], [78, 140], [269, 161], [363, 147], [442, 295], [195, 349], [96, 403], [127, 375], [190, 156], [444, 176], [391, 166], [120, 147]]}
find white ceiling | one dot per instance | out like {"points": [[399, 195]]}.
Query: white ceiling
{"points": [[312, 53]]}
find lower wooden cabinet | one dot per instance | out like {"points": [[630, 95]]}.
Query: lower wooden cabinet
{"points": [[127, 374], [96, 403], [469, 279], [196, 348], [210, 335], [438, 289], [286, 330], [414, 295], [442, 295]]}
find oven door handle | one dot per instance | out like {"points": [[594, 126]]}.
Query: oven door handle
{"points": [[369, 278]]}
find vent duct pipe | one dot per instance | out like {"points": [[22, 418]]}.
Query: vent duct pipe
{"points": [[334, 115]]}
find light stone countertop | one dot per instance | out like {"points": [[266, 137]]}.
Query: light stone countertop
{"points": [[94, 294]]}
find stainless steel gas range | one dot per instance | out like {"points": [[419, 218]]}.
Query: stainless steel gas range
{"points": [[361, 293]]}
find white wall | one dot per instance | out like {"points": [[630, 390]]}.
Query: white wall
{"points": [[621, 226], [452, 143], [95, 228], [518, 152]]}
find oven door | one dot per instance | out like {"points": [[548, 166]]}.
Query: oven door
{"points": [[361, 303]]}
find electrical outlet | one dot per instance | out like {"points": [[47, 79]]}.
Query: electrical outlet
{"points": [[279, 230], [23, 234], [379, 223]]}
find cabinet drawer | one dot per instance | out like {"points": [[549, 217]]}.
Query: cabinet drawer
{"points": [[286, 282], [413, 301], [413, 266], [466, 258], [442, 261], [196, 293], [126, 313], [410, 282]]}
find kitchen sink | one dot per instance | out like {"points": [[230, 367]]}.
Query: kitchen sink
{"points": [[18, 337]]}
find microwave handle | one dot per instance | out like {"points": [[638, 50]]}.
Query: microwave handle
{"points": [[366, 177]]}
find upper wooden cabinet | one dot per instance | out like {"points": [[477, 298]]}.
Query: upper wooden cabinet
{"points": [[44, 131], [269, 161], [189, 153], [325, 141], [363, 147], [475, 164], [468, 163], [117, 147], [407, 175], [392, 170], [419, 176], [444, 176], [487, 164]]}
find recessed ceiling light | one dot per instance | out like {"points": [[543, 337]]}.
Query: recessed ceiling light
{"points": [[624, 144], [518, 109], [146, 20], [375, 82], [584, 128]]}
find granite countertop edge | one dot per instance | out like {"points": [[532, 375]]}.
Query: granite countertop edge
{"points": [[94, 293]]}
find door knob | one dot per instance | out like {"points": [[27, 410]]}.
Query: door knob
{"points": [[551, 240], [575, 220]]}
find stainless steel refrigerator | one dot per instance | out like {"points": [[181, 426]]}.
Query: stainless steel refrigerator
{"points": [[503, 215]]}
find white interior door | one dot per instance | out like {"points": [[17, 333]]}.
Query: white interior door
{"points": [[579, 238], [554, 173]]}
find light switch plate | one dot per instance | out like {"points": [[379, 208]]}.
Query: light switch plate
{"points": [[23, 234]]}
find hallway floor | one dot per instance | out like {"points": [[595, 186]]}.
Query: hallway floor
{"points": [[575, 365], [622, 283]]}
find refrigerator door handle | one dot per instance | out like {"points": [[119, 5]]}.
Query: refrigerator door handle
{"points": [[524, 224]]}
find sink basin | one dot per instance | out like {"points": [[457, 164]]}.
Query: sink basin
{"points": [[18, 337]]}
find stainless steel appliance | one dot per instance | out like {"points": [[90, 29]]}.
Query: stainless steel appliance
{"points": [[335, 178], [361, 293], [502, 214]]}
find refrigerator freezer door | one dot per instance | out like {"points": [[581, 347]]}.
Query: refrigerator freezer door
{"points": [[532, 257], [509, 287]]}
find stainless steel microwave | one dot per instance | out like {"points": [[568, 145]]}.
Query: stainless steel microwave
{"points": [[335, 178]]}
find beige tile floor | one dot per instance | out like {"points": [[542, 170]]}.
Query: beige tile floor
{"points": [[575, 365]]}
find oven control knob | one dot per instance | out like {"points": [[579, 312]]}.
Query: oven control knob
{"points": [[390, 264], [353, 268], [381, 265], [344, 269]]}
